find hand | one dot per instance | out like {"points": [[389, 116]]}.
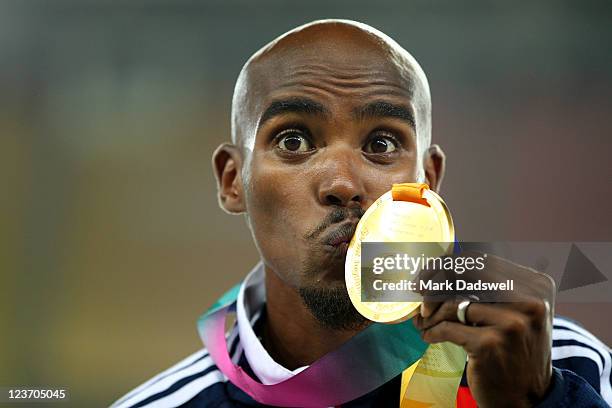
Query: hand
{"points": [[509, 346]]}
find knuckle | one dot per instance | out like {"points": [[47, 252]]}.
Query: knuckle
{"points": [[516, 326], [433, 334], [489, 341], [443, 326], [450, 308], [538, 310], [539, 314]]}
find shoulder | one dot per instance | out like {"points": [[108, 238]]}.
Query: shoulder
{"points": [[193, 377], [576, 349]]}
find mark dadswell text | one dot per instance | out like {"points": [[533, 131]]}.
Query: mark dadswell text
{"points": [[446, 286]]}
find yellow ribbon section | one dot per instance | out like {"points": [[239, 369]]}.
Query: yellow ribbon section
{"points": [[434, 379]]}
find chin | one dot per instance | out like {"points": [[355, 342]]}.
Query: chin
{"points": [[332, 307], [333, 282], [324, 270], [332, 275]]}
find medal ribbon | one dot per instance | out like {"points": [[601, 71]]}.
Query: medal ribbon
{"points": [[430, 375], [371, 358]]}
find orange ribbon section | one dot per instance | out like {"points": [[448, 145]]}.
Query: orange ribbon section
{"points": [[412, 192]]}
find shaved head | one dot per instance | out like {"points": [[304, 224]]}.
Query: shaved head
{"points": [[368, 48]]}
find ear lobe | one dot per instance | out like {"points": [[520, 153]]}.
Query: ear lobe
{"points": [[435, 166], [227, 162]]}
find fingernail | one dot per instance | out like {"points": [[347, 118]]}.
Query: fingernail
{"points": [[424, 311]]}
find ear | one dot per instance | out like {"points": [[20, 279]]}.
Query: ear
{"points": [[227, 165], [435, 165]]}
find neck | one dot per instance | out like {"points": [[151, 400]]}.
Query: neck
{"points": [[292, 336]]}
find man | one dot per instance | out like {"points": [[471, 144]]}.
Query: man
{"points": [[324, 120]]}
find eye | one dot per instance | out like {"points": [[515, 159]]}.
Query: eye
{"points": [[381, 144], [293, 140]]}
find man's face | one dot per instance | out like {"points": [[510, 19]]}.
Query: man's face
{"points": [[334, 129], [325, 121]]}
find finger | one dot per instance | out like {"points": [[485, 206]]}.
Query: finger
{"points": [[495, 315], [436, 313], [446, 311], [429, 308], [482, 314], [509, 316], [524, 304], [467, 337], [535, 311]]}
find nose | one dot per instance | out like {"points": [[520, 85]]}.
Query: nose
{"points": [[341, 183]]}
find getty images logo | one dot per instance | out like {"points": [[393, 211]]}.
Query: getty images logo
{"points": [[412, 264]]}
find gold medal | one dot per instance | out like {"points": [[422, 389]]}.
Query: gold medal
{"points": [[410, 212]]}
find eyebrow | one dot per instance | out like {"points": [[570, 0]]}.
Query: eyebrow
{"points": [[292, 105], [380, 109]]}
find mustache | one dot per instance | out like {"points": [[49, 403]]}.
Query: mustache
{"points": [[337, 215]]}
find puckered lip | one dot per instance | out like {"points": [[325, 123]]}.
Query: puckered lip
{"points": [[340, 235]]}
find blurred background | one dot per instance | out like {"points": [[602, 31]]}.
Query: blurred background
{"points": [[112, 242]]}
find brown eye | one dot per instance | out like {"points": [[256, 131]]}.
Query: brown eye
{"points": [[380, 144], [293, 141]]}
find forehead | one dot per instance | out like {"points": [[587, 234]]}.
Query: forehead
{"points": [[331, 65]]}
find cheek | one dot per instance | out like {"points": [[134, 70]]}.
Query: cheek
{"points": [[407, 175], [276, 201], [380, 181], [275, 196]]}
